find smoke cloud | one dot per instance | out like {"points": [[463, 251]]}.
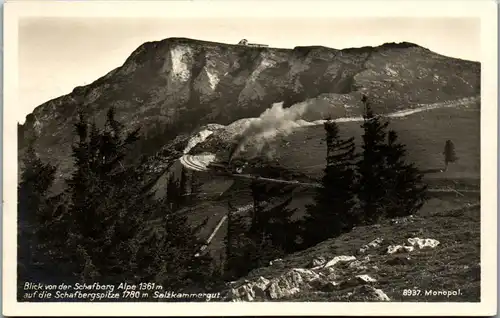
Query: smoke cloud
{"points": [[273, 122]]}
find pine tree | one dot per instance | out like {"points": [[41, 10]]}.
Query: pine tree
{"points": [[333, 211], [102, 193], [252, 241], [282, 229], [35, 212], [270, 223], [177, 190], [372, 166], [166, 251], [389, 186], [239, 250], [449, 153], [119, 231], [406, 192]]}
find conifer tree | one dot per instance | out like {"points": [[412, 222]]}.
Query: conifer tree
{"points": [[252, 241], [405, 190], [271, 222], [35, 212], [372, 166], [449, 153], [333, 211], [235, 257], [177, 190], [389, 186], [119, 231], [103, 194]]}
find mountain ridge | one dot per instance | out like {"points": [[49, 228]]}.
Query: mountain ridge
{"points": [[143, 46], [173, 86]]}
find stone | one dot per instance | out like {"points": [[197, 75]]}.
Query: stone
{"points": [[250, 290], [380, 295], [276, 261], [365, 279], [328, 273], [408, 248], [372, 245], [423, 243], [292, 282], [339, 259], [317, 262], [368, 293], [357, 264], [260, 286], [391, 249]]}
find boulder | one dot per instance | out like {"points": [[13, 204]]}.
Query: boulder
{"points": [[317, 262], [356, 281], [367, 293], [328, 273], [360, 265], [392, 249], [414, 242], [365, 279], [423, 243], [372, 245], [292, 282], [339, 259], [249, 290]]}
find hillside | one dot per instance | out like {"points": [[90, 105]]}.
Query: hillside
{"points": [[440, 254], [302, 155], [425, 128]]}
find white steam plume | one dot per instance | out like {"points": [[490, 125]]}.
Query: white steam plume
{"points": [[271, 123]]}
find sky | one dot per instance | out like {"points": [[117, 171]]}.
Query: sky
{"points": [[57, 54]]}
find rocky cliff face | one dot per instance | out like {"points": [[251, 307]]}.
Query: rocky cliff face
{"points": [[177, 85]]}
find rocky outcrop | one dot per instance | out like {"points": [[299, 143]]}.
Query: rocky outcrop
{"points": [[343, 277], [324, 278], [412, 244]]}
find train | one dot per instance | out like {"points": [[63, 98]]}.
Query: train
{"points": [[225, 167]]}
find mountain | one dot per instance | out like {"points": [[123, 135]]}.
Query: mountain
{"points": [[205, 102], [175, 86]]}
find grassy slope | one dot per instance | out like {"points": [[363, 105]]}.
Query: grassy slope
{"points": [[424, 134], [454, 264]]}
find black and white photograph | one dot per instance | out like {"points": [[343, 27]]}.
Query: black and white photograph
{"points": [[222, 154]]}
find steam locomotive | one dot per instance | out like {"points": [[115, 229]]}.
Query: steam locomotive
{"points": [[225, 167]]}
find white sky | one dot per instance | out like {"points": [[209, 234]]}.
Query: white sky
{"points": [[57, 54]]}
